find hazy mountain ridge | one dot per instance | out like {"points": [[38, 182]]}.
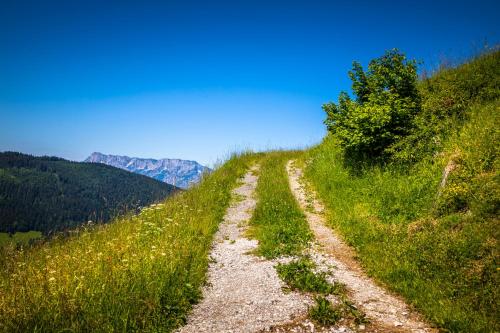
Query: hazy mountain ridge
{"points": [[180, 173]]}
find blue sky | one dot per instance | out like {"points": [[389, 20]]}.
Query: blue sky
{"points": [[199, 79]]}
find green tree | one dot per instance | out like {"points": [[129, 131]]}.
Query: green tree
{"points": [[386, 101]]}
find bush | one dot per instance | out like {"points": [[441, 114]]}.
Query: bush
{"points": [[386, 102]]}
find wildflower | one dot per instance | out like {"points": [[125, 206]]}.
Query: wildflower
{"points": [[52, 279]]}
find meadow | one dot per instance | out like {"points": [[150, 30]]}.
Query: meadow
{"points": [[140, 273]]}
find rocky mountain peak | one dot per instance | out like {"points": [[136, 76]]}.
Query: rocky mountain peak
{"points": [[181, 173]]}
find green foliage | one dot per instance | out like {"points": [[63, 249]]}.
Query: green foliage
{"points": [[278, 222], [51, 194], [140, 273], [386, 102], [326, 314], [299, 275]]}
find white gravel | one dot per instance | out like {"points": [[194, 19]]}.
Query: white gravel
{"points": [[244, 293]]}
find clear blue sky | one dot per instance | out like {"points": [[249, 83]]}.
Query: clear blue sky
{"points": [[196, 80]]}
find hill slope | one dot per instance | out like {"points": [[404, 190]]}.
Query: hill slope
{"points": [[180, 173], [426, 223], [50, 194]]}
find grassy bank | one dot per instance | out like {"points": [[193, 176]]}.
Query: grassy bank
{"points": [[436, 245], [277, 222], [21, 238], [139, 273]]}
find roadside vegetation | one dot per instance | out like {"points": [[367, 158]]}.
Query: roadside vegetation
{"points": [[300, 275], [139, 273], [278, 222], [420, 201], [327, 314]]}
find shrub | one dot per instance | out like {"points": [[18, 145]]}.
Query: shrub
{"points": [[386, 102]]}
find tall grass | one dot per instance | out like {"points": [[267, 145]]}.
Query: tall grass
{"points": [[139, 273], [278, 222], [441, 255]]}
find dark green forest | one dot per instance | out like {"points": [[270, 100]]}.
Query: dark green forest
{"points": [[50, 194]]}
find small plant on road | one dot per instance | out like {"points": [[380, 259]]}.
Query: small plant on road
{"points": [[299, 275]]}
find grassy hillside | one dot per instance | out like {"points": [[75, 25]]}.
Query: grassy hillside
{"points": [[139, 273], [433, 240], [51, 194]]}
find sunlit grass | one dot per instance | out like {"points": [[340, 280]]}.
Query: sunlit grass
{"points": [[300, 275], [278, 222], [442, 260], [139, 273]]}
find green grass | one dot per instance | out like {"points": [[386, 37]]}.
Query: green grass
{"points": [[139, 273], [326, 314], [299, 275], [21, 238], [438, 247], [278, 222], [441, 254]]}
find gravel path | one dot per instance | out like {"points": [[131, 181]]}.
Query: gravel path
{"points": [[244, 293], [389, 313]]}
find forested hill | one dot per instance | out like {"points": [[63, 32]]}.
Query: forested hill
{"points": [[52, 194]]}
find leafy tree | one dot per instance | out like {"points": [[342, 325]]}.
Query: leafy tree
{"points": [[386, 101]]}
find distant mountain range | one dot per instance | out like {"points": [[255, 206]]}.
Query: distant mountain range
{"points": [[52, 194], [180, 173]]}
